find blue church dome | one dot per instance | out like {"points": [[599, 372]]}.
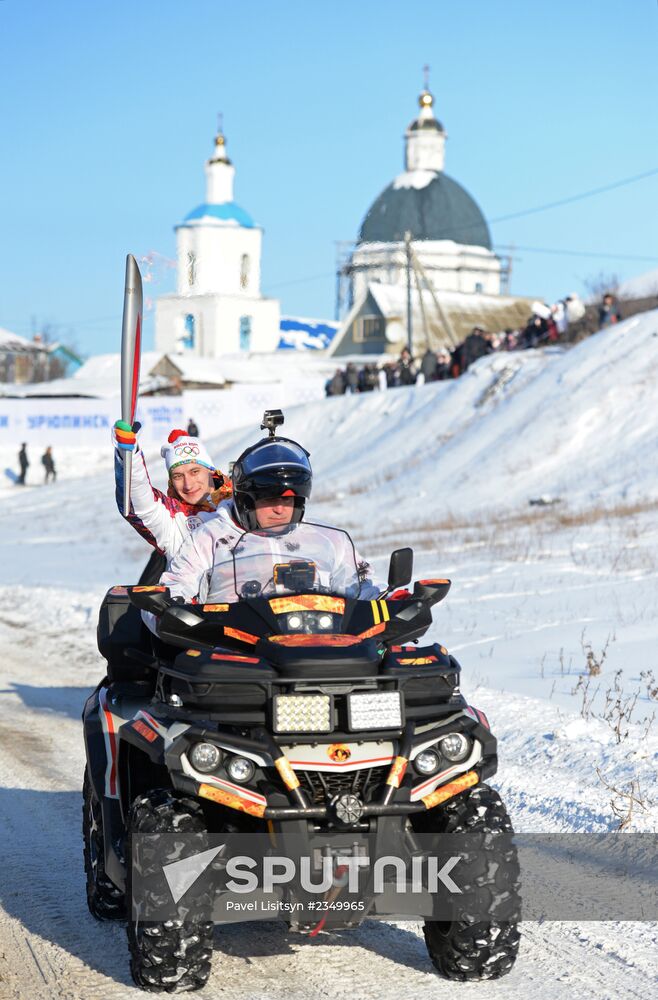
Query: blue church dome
{"points": [[228, 211]]}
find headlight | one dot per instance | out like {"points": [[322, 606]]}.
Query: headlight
{"points": [[381, 710], [302, 713], [427, 762], [311, 621], [205, 757], [455, 747], [240, 769]]}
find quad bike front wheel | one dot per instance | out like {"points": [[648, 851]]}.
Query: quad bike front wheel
{"points": [[471, 948], [104, 899], [172, 955]]}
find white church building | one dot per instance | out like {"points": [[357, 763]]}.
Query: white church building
{"points": [[218, 308], [449, 232]]}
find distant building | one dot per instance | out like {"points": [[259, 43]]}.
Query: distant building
{"points": [[449, 232], [424, 229], [218, 307], [25, 361]]}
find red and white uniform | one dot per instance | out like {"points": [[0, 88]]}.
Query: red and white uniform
{"points": [[164, 521]]}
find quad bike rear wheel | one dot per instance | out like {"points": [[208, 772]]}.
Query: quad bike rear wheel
{"points": [[471, 948], [104, 899], [172, 955]]}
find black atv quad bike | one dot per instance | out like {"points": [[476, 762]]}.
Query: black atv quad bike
{"points": [[302, 711]]}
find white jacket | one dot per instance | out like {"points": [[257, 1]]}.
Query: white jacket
{"points": [[218, 560]]}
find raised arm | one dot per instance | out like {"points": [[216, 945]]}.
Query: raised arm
{"points": [[151, 511]]}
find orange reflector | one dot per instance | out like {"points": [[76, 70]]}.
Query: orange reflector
{"points": [[315, 640], [235, 659], [418, 661], [307, 602], [445, 792], [231, 800], [429, 583], [144, 590], [374, 630], [285, 769], [215, 607], [193, 652], [235, 633], [144, 730], [397, 772]]}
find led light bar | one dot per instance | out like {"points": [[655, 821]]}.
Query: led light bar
{"points": [[381, 710], [303, 713]]}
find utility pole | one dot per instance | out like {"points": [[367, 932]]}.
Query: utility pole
{"points": [[407, 244]]}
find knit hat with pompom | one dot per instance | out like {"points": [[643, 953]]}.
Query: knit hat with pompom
{"points": [[181, 449]]}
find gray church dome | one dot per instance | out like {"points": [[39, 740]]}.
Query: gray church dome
{"points": [[428, 204]]}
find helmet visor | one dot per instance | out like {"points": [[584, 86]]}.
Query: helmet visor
{"points": [[273, 455], [277, 482]]}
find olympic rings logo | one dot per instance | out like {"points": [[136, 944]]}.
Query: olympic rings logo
{"points": [[186, 449]]}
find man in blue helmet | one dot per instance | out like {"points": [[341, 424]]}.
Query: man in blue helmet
{"points": [[257, 544]]}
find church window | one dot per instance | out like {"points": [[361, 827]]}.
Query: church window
{"points": [[245, 333], [478, 286], [369, 328], [245, 266], [191, 267], [188, 337]]}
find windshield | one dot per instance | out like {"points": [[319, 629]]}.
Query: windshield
{"points": [[298, 559]]}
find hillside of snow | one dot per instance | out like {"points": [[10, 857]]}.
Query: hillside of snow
{"points": [[553, 611]]}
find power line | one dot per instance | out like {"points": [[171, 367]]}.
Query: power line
{"points": [[576, 253], [576, 197]]}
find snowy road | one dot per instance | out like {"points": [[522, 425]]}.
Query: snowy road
{"points": [[51, 947], [530, 587]]}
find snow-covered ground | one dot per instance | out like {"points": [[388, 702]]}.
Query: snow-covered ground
{"points": [[539, 591]]}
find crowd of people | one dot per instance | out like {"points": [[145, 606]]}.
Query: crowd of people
{"points": [[546, 325]]}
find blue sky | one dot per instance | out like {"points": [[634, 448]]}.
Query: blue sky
{"points": [[108, 112]]}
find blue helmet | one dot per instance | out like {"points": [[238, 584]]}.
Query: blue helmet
{"points": [[273, 467]]}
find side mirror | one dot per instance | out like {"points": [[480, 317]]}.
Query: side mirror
{"points": [[401, 568], [153, 599]]}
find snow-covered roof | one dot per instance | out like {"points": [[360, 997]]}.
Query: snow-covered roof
{"points": [[98, 378], [463, 311], [13, 342], [108, 366], [192, 368]]}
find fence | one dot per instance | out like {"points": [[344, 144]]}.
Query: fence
{"points": [[87, 422]]}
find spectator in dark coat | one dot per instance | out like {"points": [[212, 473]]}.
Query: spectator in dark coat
{"points": [[192, 428], [392, 375], [428, 365], [475, 346], [48, 463], [336, 384], [352, 378], [535, 332], [23, 462], [609, 310], [442, 366], [406, 369], [368, 378]]}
